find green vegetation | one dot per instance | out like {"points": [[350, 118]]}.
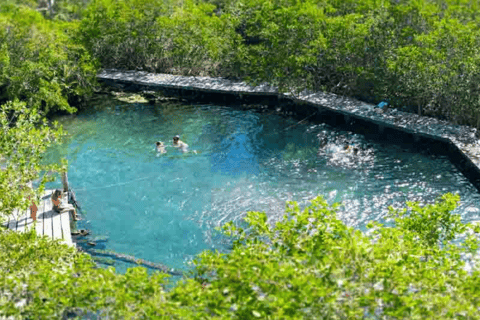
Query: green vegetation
{"points": [[43, 69], [310, 265], [40, 62], [25, 137], [420, 54]]}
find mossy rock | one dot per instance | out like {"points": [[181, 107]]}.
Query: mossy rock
{"points": [[103, 260], [130, 97]]}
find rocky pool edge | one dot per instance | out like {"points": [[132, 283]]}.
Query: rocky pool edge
{"points": [[459, 143]]}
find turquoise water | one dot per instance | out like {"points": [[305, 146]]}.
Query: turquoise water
{"points": [[164, 207]]}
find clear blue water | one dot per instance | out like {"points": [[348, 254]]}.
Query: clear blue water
{"points": [[164, 208]]}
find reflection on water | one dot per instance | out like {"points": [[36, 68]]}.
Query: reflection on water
{"points": [[165, 208]]}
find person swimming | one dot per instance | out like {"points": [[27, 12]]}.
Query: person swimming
{"points": [[347, 148], [177, 143], [160, 146]]}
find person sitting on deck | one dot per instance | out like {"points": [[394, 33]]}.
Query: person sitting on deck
{"points": [[177, 143], [59, 207], [160, 147]]}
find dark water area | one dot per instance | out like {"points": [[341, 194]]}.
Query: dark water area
{"points": [[165, 207]]}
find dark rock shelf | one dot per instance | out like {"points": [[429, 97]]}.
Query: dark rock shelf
{"points": [[458, 142]]}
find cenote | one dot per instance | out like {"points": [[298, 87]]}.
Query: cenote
{"points": [[164, 207]]}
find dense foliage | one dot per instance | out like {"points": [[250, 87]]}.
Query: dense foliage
{"points": [[415, 54], [158, 35], [309, 265], [419, 55], [25, 135], [40, 62], [42, 70]]}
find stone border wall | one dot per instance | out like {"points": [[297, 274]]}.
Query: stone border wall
{"points": [[459, 143]]}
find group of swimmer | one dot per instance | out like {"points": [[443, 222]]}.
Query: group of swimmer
{"points": [[341, 145], [177, 143], [342, 151]]}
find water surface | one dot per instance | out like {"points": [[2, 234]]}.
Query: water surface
{"points": [[164, 208]]}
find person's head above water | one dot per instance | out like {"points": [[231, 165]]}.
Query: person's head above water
{"points": [[159, 143], [176, 138], [323, 142]]}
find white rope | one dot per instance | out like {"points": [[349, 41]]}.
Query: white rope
{"points": [[114, 184], [123, 183], [295, 124]]}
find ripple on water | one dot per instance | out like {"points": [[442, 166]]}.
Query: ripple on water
{"points": [[164, 209]]}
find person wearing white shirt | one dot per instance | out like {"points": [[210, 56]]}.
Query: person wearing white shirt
{"points": [[177, 143]]}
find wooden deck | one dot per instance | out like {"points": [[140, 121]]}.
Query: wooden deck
{"points": [[49, 223]]}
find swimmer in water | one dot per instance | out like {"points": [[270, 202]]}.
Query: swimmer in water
{"points": [[177, 143], [351, 149], [160, 147], [323, 142]]}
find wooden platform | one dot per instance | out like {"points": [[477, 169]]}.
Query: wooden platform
{"points": [[49, 223]]}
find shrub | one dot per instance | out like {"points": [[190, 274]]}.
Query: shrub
{"points": [[309, 265], [25, 137], [40, 62]]}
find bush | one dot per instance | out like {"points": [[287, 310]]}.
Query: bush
{"points": [[25, 137], [40, 62], [411, 53], [309, 265]]}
